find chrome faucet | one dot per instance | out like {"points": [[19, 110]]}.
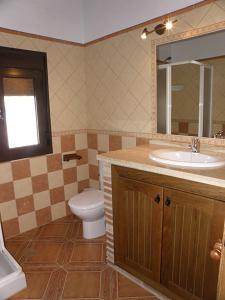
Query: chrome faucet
{"points": [[195, 145]]}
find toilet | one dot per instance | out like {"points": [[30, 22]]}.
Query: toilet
{"points": [[89, 207]]}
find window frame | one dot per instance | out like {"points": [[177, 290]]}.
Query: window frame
{"points": [[17, 63]]}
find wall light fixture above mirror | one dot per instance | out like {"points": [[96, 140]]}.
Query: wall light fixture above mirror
{"points": [[191, 86], [159, 29]]}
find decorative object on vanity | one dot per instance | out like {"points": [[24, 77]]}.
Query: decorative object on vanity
{"points": [[159, 29], [190, 86], [71, 156]]}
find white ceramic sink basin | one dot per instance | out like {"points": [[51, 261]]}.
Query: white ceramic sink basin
{"points": [[186, 159]]}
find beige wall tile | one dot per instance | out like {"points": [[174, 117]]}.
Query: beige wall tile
{"points": [[55, 179], [81, 141], [56, 144], [83, 185], [41, 200], [82, 172], [69, 164], [58, 210], [8, 210], [27, 222], [70, 190], [5, 172], [103, 142], [92, 157], [128, 142], [38, 165], [23, 187], [94, 184]]}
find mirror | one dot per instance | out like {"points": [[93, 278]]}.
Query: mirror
{"points": [[191, 86]]}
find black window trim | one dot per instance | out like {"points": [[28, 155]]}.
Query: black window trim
{"points": [[17, 63]]}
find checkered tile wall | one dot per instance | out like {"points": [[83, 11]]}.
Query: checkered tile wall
{"points": [[35, 191], [102, 142]]}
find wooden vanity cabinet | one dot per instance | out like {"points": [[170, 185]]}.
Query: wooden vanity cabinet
{"points": [[191, 226], [164, 235], [138, 211]]}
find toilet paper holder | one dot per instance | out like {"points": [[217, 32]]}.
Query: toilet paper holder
{"points": [[71, 156]]}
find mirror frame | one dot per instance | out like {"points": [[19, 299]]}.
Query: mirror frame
{"points": [[166, 40]]}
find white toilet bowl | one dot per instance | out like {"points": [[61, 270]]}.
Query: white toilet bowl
{"points": [[89, 206]]}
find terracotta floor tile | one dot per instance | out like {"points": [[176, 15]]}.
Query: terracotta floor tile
{"points": [[108, 284], [87, 252], [73, 231], [16, 248], [36, 286], [69, 268], [82, 285], [55, 286], [126, 288], [79, 236], [50, 231], [65, 253], [26, 236], [42, 252]]}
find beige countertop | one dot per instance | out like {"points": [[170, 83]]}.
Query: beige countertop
{"points": [[138, 158]]}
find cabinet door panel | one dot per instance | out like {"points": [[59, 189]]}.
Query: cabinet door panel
{"points": [[138, 227], [191, 226]]}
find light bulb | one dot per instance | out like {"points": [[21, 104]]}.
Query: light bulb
{"points": [[169, 25], [143, 36]]}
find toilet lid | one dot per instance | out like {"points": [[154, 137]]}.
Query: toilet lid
{"points": [[87, 199]]}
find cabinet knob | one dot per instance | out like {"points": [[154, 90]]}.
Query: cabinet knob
{"points": [[168, 201], [215, 254], [157, 199]]}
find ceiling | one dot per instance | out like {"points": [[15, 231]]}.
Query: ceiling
{"points": [[82, 20]]}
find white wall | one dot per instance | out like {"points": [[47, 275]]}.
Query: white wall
{"points": [[52, 18], [81, 20], [103, 17]]}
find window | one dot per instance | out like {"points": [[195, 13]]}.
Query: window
{"points": [[25, 129]]}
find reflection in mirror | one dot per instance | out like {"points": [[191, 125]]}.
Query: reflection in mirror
{"points": [[20, 108], [191, 86]]}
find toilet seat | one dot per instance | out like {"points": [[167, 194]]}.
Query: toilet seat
{"points": [[89, 199]]}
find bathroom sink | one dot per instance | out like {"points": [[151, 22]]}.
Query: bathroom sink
{"points": [[186, 159]]}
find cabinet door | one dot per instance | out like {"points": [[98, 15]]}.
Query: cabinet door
{"points": [[137, 209], [191, 226]]}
